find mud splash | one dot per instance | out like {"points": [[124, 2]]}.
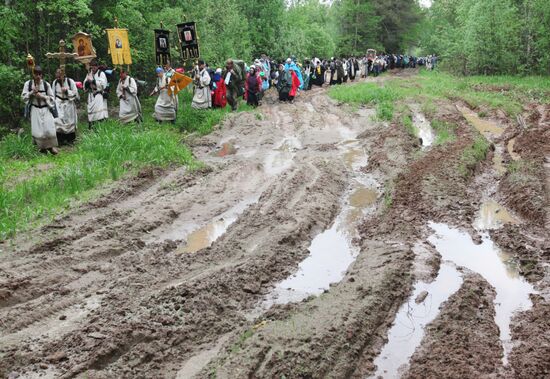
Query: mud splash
{"points": [[498, 164], [492, 215], [512, 291], [425, 131], [487, 128], [227, 148], [407, 330], [280, 159], [510, 148]]}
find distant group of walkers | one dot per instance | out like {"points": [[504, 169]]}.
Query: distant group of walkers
{"points": [[52, 109]]}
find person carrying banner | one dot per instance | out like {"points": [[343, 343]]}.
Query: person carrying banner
{"points": [[166, 105], [126, 91]]}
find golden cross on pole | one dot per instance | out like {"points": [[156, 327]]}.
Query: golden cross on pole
{"points": [[61, 55]]}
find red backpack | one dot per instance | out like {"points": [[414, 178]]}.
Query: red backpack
{"points": [[219, 95]]}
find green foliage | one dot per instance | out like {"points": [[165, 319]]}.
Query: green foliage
{"points": [[490, 36], [16, 146], [41, 185], [11, 106], [384, 111]]}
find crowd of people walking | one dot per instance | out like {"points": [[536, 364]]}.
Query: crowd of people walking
{"points": [[52, 109]]}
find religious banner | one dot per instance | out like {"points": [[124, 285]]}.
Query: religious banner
{"points": [[178, 82], [189, 41], [162, 46], [119, 46], [83, 47]]}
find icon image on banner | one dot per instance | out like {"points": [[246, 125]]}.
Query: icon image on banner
{"points": [[188, 39], [162, 46]]}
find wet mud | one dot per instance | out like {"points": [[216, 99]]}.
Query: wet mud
{"points": [[315, 242]]}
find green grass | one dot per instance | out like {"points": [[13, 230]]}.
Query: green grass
{"points": [[444, 131], [199, 120], [507, 93], [36, 187], [472, 155], [407, 122], [40, 186], [363, 93]]}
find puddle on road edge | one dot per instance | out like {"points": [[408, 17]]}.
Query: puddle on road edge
{"points": [[408, 327], [485, 127], [457, 250], [492, 215], [486, 259]]}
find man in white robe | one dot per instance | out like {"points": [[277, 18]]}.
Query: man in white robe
{"points": [[166, 105], [96, 84], [202, 97], [38, 97], [65, 95], [126, 91]]}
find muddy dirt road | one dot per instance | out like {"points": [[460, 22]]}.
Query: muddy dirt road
{"points": [[315, 242]]}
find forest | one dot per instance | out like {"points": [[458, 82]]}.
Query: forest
{"points": [[470, 37]]}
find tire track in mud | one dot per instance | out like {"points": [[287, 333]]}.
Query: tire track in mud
{"points": [[129, 268]]}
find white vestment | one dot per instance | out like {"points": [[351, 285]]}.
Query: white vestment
{"points": [[67, 119], [130, 107], [202, 97], [97, 104], [166, 105], [42, 122]]}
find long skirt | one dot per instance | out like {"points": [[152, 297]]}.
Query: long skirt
{"points": [[252, 98]]}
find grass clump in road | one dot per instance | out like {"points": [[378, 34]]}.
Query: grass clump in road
{"points": [[36, 186], [407, 122], [444, 131], [368, 94], [472, 155], [363, 93]]}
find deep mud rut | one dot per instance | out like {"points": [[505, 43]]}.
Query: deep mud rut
{"points": [[290, 254]]}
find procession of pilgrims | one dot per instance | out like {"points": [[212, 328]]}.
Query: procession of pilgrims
{"points": [[53, 109]]}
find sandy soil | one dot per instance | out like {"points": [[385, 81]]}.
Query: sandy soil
{"points": [[167, 275]]}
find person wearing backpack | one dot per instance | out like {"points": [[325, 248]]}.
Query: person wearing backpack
{"points": [[65, 97], [126, 91], [233, 77], [96, 83], [40, 107]]}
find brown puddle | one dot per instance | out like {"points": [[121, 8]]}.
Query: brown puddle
{"points": [[363, 197], [485, 127], [227, 149], [492, 215], [510, 147]]}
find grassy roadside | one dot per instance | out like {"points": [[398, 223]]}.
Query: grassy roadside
{"points": [[35, 187], [507, 93]]}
